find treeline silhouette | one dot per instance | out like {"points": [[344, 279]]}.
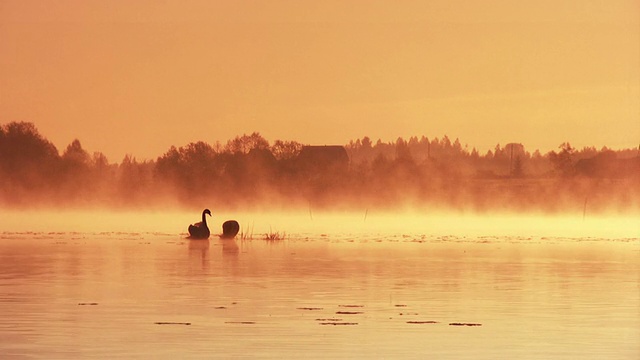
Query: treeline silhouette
{"points": [[248, 172]]}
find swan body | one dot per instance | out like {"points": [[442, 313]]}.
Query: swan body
{"points": [[230, 229], [200, 230]]}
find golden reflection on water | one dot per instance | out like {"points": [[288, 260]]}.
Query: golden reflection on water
{"points": [[366, 222], [358, 291]]}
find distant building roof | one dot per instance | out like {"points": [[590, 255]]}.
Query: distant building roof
{"points": [[324, 157]]}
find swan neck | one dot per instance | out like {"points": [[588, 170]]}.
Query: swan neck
{"points": [[204, 218]]}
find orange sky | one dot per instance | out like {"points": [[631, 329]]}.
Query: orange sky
{"points": [[139, 76]]}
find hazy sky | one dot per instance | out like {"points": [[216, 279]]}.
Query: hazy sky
{"points": [[139, 76]]}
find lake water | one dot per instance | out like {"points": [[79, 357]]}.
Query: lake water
{"points": [[128, 285]]}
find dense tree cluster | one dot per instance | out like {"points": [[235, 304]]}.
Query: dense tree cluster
{"points": [[438, 172], [248, 171]]}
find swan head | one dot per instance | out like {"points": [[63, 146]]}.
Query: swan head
{"points": [[207, 211]]}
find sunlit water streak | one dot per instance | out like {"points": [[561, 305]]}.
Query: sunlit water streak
{"points": [[321, 293]]}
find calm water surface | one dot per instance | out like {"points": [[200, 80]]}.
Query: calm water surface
{"points": [[109, 294]]}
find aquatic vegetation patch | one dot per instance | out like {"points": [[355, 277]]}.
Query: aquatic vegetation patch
{"points": [[349, 312], [88, 303], [465, 324], [246, 233], [240, 322], [338, 323], [310, 308], [423, 322], [171, 323], [275, 235]]}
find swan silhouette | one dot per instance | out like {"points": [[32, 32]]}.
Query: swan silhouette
{"points": [[230, 229], [200, 230]]}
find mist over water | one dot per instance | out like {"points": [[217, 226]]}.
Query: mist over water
{"points": [[128, 284], [340, 254], [322, 222], [467, 227], [250, 174]]}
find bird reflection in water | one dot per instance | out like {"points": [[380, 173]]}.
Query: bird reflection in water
{"points": [[229, 246], [230, 229], [200, 248], [199, 251]]}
